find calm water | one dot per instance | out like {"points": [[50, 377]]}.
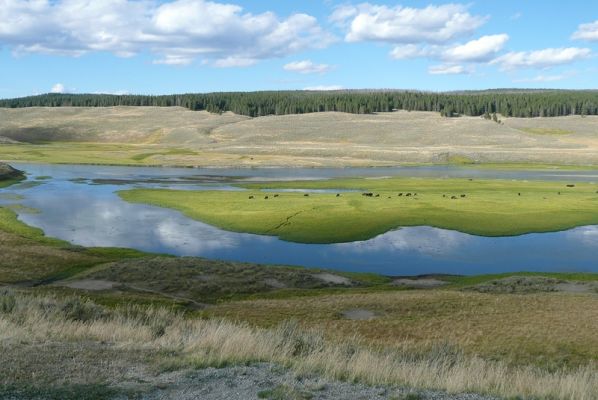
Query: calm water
{"points": [[79, 204]]}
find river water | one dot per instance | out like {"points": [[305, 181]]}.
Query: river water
{"points": [[79, 204]]}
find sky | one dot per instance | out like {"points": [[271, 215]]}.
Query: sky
{"points": [[183, 46]]}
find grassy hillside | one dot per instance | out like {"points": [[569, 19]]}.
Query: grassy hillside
{"points": [[481, 207], [176, 136]]}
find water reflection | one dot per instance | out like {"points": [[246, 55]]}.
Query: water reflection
{"points": [[423, 239], [588, 235], [93, 215]]}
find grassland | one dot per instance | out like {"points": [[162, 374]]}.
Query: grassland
{"points": [[174, 342], [176, 136], [121, 323], [481, 207]]}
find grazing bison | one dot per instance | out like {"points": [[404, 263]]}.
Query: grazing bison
{"points": [[463, 195], [265, 197], [306, 195], [250, 197], [338, 195], [377, 195], [275, 195], [368, 194], [570, 185], [453, 197], [400, 194], [408, 195]]}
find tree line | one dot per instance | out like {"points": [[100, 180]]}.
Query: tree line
{"points": [[509, 103]]}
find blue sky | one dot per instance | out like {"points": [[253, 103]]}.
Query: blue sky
{"points": [[176, 46]]}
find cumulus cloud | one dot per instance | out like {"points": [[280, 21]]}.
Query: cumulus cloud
{"points": [[432, 24], [178, 31], [58, 88], [447, 70], [587, 31], [307, 67], [324, 87], [479, 50], [541, 58]]}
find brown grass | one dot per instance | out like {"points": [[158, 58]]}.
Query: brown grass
{"points": [[551, 330], [175, 136], [34, 320]]}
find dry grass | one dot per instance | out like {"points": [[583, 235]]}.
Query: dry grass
{"points": [[134, 125], [550, 330], [320, 139], [34, 320]]}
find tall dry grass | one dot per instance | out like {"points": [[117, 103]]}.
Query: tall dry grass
{"points": [[35, 319]]}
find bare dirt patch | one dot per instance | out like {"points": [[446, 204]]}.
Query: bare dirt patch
{"points": [[424, 283], [333, 279], [359, 314], [90, 284]]}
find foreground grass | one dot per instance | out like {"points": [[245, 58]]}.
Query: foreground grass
{"points": [[180, 342], [549, 330], [480, 207]]}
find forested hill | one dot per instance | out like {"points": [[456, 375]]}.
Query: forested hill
{"points": [[512, 103]]}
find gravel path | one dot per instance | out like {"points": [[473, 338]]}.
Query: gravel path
{"points": [[266, 381]]}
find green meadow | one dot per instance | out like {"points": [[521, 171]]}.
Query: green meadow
{"points": [[480, 207]]}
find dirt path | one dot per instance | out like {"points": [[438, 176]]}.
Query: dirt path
{"points": [[266, 381]]}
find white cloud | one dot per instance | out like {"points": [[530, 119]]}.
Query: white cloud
{"points": [[541, 58], [58, 88], [234, 62], [406, 51], [432, 24], [542, 78], [324, 87], [307, 67], [479, 50], [178, 31], [516, 16], [113, 92], [447, 70], [587, 31], [172, 59]]}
